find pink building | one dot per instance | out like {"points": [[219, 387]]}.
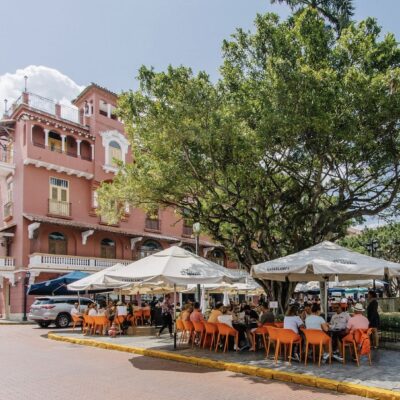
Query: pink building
{"points": [[52, 160]]}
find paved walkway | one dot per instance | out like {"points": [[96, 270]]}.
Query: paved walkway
{"points": [[384, 372], [35, 368]]}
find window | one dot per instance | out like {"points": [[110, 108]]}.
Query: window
{"points": [[59, 197], [95, 202], [57, 243], [103, 108], [152, 221], [107, 248], [9, 191], [115, 153], [149, 247], [218, 256]]}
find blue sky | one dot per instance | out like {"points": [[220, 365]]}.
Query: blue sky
{"points": [[107, 41]]}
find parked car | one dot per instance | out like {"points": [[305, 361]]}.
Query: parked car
{"points": [[55, 309]]}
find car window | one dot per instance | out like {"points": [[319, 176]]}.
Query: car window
{"points": [[43, 301]]}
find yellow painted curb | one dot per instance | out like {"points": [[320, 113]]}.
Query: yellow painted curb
{"points": [[302, 379]]}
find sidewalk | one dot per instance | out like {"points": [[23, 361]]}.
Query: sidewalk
{"points": [[12, 322], [375, 381]]}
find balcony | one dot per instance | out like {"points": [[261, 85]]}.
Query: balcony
{"points": [[48, 106], [59, 262], [8, 210], [59, 208], [7, 263], [152, 224]]}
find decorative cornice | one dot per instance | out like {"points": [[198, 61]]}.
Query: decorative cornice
{"points": [[77, 129], [58, 168]]}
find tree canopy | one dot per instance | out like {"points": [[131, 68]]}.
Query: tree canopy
{"points": [[298, 138]]}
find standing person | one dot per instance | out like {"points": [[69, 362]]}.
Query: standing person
{"points": [[373, 316], [166, 310]]}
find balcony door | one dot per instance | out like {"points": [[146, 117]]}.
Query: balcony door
{"points": [[107, 248], [59, 197], [57, 243]]}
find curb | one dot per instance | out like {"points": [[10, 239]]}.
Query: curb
{"points": [[302, 379]]}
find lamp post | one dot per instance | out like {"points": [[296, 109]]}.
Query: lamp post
{"points": [[372, 246], [26, 283], [196, 232]]}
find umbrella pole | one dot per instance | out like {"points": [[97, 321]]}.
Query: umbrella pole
{"points": [[174, 316], [79, 300], [326, 298]]}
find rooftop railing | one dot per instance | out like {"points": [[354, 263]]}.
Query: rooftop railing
{"points": [[46, 105]]}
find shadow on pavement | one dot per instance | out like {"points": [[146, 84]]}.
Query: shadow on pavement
{"points": [[147, 364]]}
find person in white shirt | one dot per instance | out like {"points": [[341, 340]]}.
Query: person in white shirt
{"points": [[122, 309], [315, 321], [338, 328], [294, 322], [225, 318], [75, 311], [92, 310]]}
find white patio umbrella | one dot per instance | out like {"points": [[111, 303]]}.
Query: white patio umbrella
{"points": [[96, 281], [225, 300], [326, 261], [203, 305], [173, 266]]}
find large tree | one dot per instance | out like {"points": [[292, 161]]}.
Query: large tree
{"points": [[298, 138], [337, 12]]}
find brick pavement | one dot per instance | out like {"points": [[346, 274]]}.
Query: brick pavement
{"points": [[35, 368], [384, 373]]}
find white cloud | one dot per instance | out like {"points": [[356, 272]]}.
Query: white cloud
{"points": [[44, 81]]}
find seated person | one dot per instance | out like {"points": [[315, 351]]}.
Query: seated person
{"points": [[185, 314], [315, 321], [76, 312], [338, 327], [267, 316], [92, 310], [225, 317], [358, 321], [196, 315], [122, 310], [294, 322], [215, 313]]}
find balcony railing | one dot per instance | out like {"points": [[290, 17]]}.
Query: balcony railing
{"points": [[47, 105], [72, 263], [8, 210], [60, 208], [58, 150], [7, 263], [6, 155], [152, 224]]}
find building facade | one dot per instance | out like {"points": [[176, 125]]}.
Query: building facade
{"points": [[52, 160]]}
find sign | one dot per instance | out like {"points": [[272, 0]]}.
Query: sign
{"points": [[273, 304]]}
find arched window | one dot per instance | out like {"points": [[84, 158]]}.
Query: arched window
{"points": [[55, 143], [218, 256], [188, 248], [107, 248], [149, 247], [115, 153], [57, 243]]}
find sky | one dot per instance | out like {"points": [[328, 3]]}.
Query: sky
{"points": [[64, 45]]}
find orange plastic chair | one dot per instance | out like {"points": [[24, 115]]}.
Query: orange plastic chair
{"points": [[288, 338], [188, 331], [180, 328], [76, 321], [315, 337], [210, 329], [146, 314], [352, 341], [100, 324], [260, 331], [272, 332], [278, 324], [118, 320], [89, 322], [225, 330], [198, 330], [138, 314]]}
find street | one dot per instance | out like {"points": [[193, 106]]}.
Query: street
{"points": [[35, 368]]}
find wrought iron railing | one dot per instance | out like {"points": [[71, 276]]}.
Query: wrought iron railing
{"points": [[60, 208]]}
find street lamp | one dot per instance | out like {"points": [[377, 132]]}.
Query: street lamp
{"points": [[372, 246], [196, 232], [26, 284]]}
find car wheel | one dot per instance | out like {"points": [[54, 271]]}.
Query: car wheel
{"points": [[63, 320], [44, 324]]}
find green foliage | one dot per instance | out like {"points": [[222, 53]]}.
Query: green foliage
{"points": [[390, 322], [298, 139], [336, 12]]}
